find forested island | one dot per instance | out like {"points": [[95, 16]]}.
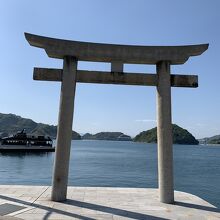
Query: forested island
{"points": [[210, 140], [110, 136], [180, 136]]}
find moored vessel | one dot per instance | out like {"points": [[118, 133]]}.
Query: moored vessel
{"points": [[23, 142]]}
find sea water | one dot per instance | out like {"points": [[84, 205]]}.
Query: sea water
{"points": [[120, 164]]}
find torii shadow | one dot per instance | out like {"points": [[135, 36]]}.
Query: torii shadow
{"points": [[91, 206]]}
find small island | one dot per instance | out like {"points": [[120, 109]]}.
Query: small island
{"points": [[110, 136], [180, 136], [215, 140]]}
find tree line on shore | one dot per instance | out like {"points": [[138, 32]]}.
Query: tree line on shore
{"points": [[10, 124]]}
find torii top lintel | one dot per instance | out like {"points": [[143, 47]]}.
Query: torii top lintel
{"points": [[58, 48]]}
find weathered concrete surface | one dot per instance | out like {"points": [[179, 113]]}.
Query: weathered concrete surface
{"points": [[164, 133], [64, 130], [58, 48], [105, 203], [139, 79], [9, 218]]}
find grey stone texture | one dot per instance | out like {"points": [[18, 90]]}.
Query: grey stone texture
{"points": [[164, 133], [104, 77], [59, 48], [8, 208], [64, 130], [104, 203]]}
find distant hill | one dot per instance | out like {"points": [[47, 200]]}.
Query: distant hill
{"points": [[10, 124], [180, 136], [210, 140], [111, 136]]}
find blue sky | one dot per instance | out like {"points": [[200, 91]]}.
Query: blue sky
{"points": [[129, 109]]}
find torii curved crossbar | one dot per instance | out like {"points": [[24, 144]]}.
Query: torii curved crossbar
{"points": [[58, 48]]}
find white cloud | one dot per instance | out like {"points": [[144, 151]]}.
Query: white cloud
{"points": [[200, 125], [146, 120]]}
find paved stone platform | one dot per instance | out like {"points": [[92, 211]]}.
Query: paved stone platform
{"points": [[33, 202]]}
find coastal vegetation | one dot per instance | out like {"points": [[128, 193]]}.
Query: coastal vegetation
{"points": [[210, 140], [111, 136], [180, 136], [11, 124], [214, 141]]}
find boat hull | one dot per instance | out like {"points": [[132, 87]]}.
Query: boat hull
{"points": [[24, 148]]}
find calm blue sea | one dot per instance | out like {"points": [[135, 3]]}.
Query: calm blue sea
{"points": [[122, 164]]}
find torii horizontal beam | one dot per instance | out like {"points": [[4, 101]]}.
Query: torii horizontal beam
{"points": [[141, 79], [96, 52]]}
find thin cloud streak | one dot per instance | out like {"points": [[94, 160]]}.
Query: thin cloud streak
{"points": [[146, 120]]}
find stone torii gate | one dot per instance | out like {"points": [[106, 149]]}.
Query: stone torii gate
{"points": [[72, 51]]}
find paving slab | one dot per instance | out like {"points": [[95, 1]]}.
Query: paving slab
{"points": [[102, 203]]}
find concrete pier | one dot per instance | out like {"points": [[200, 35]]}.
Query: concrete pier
{"points": [[97, 203], [164, 133], [64, 130]]}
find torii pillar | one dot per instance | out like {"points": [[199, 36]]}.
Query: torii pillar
{"points": [[64, 129], [117, 55], [164, 133]]}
